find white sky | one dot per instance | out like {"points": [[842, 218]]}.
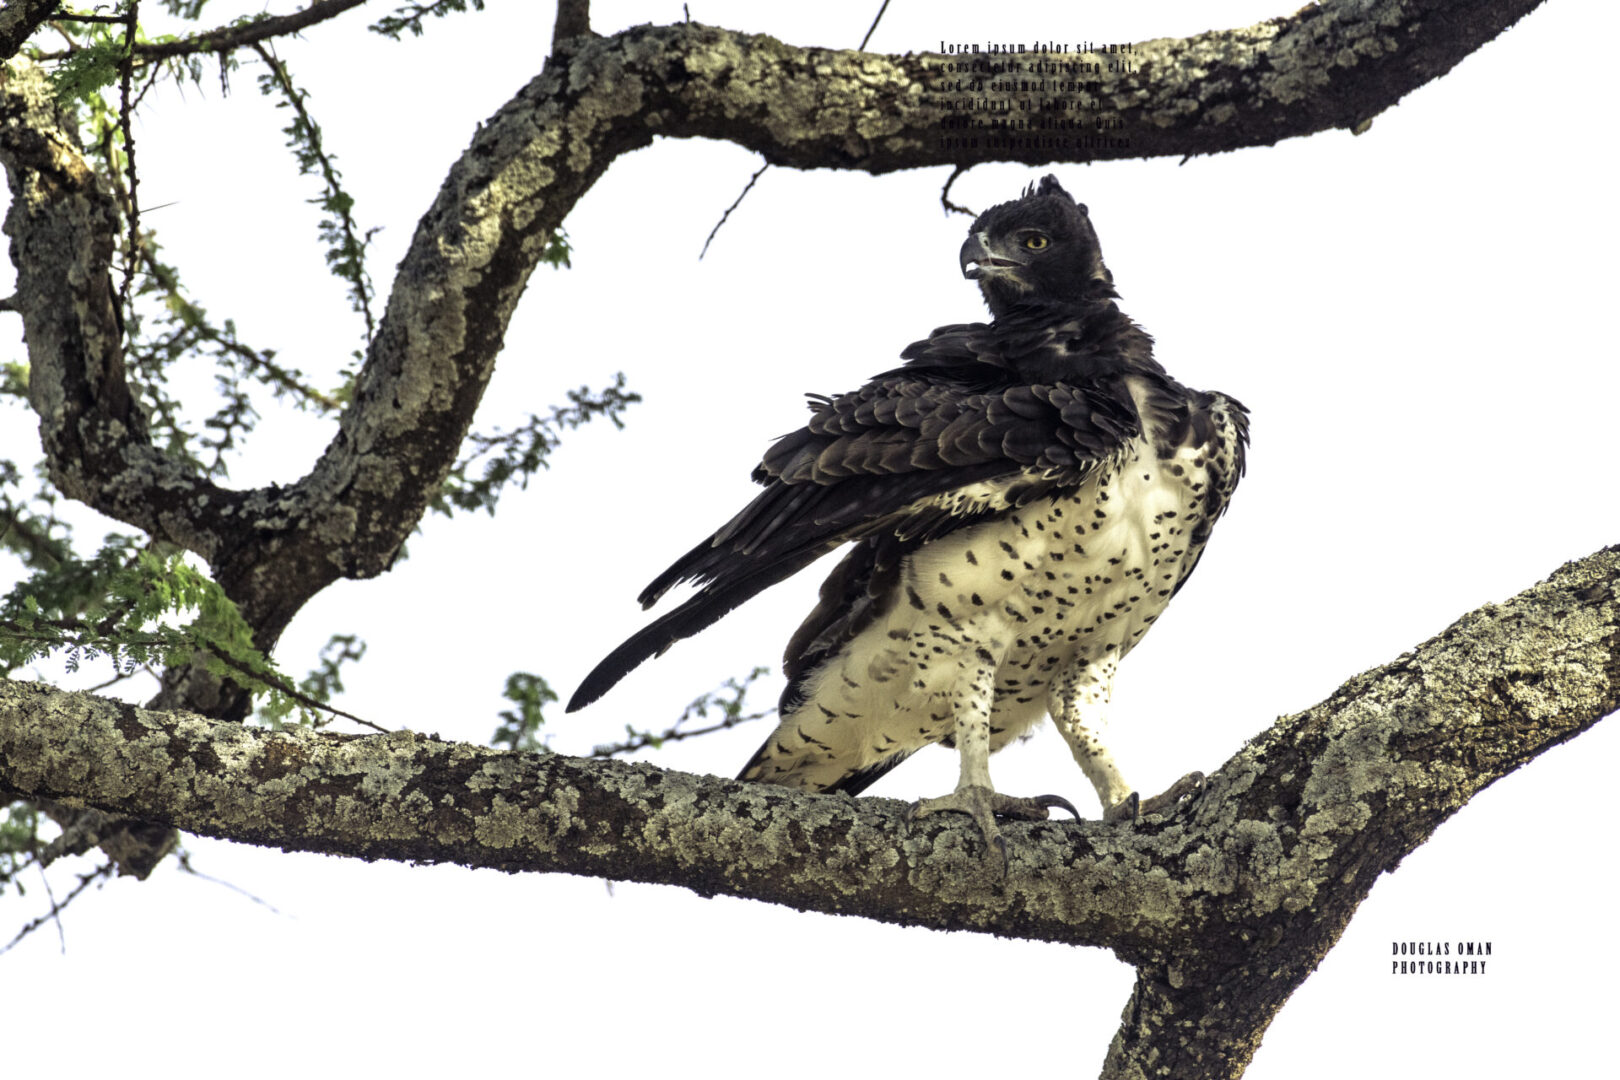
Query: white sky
{"points": [[1419, 319]]}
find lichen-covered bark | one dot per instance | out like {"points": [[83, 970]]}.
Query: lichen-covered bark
{"points": [[18, 21], [1224, 907]]}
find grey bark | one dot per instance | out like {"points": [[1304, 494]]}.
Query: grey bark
{"points": [[1223, 906], [18, 21]]}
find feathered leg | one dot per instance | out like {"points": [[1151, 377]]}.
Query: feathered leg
{"points": [[975, 795], [1078, 701]]}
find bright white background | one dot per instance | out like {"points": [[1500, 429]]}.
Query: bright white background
{"points": [[1420, 319]]}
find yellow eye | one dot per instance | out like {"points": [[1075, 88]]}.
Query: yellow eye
{"points": [[1035, 241]]}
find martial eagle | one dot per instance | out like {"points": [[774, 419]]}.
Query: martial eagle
{"points": [[1022, 498]]}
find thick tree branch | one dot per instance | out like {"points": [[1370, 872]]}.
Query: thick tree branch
{"points": [[18, 21], [62, 225], [1224, 907]]}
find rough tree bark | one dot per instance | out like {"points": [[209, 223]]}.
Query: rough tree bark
{"points": [[1223, 907], [1259, 874]]}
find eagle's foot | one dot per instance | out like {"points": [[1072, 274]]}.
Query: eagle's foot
{"points": [[985, 804], [1134, 806], [1127, 809], [1188, 785]]}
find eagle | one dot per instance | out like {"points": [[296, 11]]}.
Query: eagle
{"points": [[1021, 499]]}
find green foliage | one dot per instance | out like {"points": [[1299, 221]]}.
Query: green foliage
{"points": [[64, 588], [184, 9], [345, 245], [29, 527], [181, 328], [729, 701], [412, 16], [14, 379], [94, 65], [520, 727], [19, 840], [99, 54], [140, 604], [324, 682], [557, 250], [516, 455], [122, 606]]}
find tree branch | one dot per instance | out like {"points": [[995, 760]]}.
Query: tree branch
{"points": [[18, 21], [1223, 908], [573, 19], [226, 38]]}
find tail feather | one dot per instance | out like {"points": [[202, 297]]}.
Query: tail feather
{"points": [[711, 604]]}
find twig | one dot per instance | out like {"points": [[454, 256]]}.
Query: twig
{"points": [[184, 859], [116, 679], [641, 739], [297, 695], [746, 188], [945, 195], [57, 908], [126, 74], [329, 175], [870, 30], [50, 894], [873, 28], [40, 546], [227, 38], [19, 632]]}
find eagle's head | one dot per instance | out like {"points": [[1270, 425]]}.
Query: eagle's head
{"points": [[1040, 248]]}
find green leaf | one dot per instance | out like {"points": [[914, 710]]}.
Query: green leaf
{"points": [[520, 727]]}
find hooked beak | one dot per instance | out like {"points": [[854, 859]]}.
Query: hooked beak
{"points": [[978, 261]]}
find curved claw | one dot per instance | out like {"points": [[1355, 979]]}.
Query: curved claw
{"points": [[1051, 802], [1127, 809], [1133, 806]]}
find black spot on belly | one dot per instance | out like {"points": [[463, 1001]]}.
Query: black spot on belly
{"points": [[916, 601]]}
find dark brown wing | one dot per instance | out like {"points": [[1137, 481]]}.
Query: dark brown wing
{"points": [[900, 457]]}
